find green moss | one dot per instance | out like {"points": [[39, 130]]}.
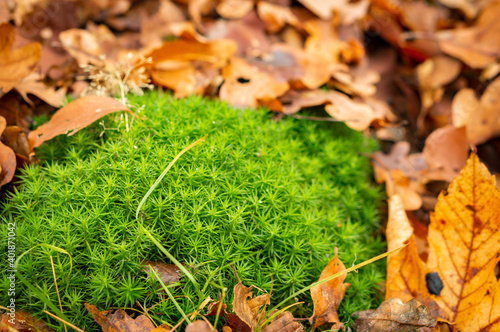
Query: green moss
{"points": [[271, 198]]}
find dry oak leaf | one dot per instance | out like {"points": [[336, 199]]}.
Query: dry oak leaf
{"points": [[355, 114], [119, 321], [477, 46], [394, 315], [15, 64], [248, 86], [76, 115], [246, 313], [234, 9], [328, 295], [199, 326], [481, 118], [403, 174], [168, 273], [8, 161], [458, 282], [446, 151], [34, 85], [23, 322], [284, 322], [275, 17]]}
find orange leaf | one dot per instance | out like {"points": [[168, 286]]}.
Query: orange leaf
{"points": [[246, 314], [199, 326], [119, 321], [8, 161], [327, 296], [16, 64], [76, 115], [393, 315], [458, 282]]}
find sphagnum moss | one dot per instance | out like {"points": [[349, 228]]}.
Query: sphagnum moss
{"points": [[271, 198]]}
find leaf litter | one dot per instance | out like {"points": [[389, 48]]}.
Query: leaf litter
{"points": [[429, 103]]}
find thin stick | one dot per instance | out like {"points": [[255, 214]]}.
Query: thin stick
{"points": [[63, 321], [57, 288]]}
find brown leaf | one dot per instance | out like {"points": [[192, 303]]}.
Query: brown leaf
{"points": [[355, 114], [199, 326], [234, 9], [246, 85], [403, 174], [15, 64], [275, 17], [76, 115], [21, 321], [8, 161], [34, 85], [478, 45], [458, 282], [119, 321], [347, 11], [16, 139], [446, 151], [284, 322], [394, 315], [246, 315], [214, 306], [168, 273], [327, 296], [481, 118]]}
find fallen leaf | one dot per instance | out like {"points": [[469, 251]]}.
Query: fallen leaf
{"points": [[119, 321], [275, 17], [247, 86], [214, 306], [481, 118], [348, 12], [246, 313], [15, 64], [469, 8], [23, 322], [16, 139], [355, 114], [394, 315], [168, 273], [33, 84], [446, 151], [477, 46], [199, 326], [403, 174], [327, 296], [76, 115], [8, 162], [458, 282], [284, 322], [234, 9]]}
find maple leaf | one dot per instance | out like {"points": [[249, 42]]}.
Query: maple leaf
{"points": [[394, 315], [458, 282], [15, 64], [327, 296]]}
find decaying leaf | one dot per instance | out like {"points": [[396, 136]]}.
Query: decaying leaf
{"points": [[477, 46], [246, 313], [119, 321], [458, 282], [481, 118], [234, 9], [168, 273], [402, 172], [394, 315], [23, 322], [76, 115], [275, 16], [199, 326], [7, 158], [247, 85], [15, 64], [347, 11], [284, 322], [33, 84], [327, 296]]}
